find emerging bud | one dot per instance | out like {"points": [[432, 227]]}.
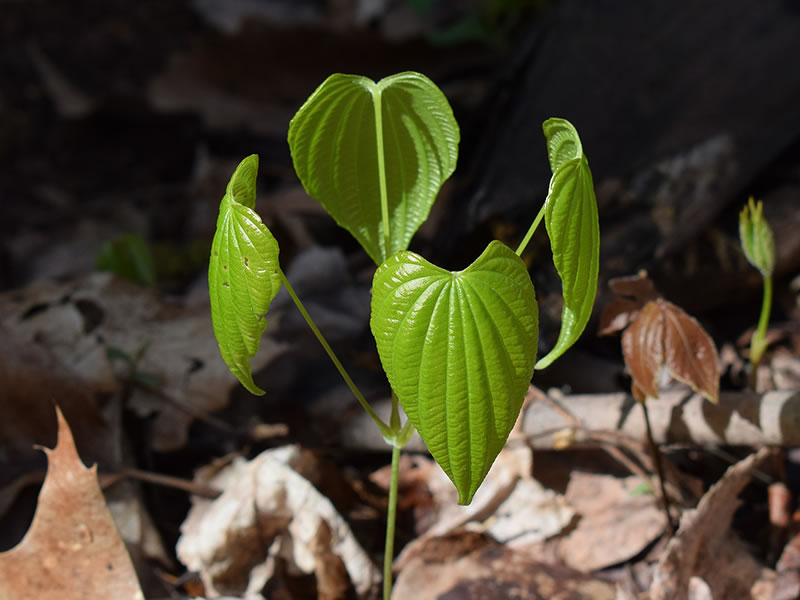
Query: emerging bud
{"points": [[756, 237]]}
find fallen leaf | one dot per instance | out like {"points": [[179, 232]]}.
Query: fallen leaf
{"points": [[705, 547], [72, 550], [77, 323], [450, 568], [613, 525], [510, 505], [267, 511]]}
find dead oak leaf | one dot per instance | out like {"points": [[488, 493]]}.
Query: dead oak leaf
{"points": [[72, 550], [663, 334]]}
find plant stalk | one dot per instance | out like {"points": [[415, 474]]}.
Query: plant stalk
{"points": [[523, 244], [659, 470], [385, 430], [758, 343], [391, 514]]}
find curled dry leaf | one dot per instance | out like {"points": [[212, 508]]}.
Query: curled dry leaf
{"points": [[72, 550], [268, 510], [663, 334]]}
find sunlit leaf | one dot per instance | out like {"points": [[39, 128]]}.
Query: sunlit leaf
{"points": [[354, 136], [243, 274], [574, 231], [756, 237], [459, 350], [664, 335]]}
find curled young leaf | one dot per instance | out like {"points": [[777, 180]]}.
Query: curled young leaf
{"points": [[664, 335], [355, 140], [459, 349], [574, 231], [756, 237], [243, 274]]}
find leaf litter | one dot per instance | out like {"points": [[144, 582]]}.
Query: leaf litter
{"points": [[72, 550]]}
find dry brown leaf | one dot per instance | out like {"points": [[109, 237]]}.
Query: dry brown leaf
{"points": [[643, 348], [663, 334], [614, 525], [72, 550], [617, 315], [511, 505], [689, 352], [705, 547], [787, 580], [636, 287], [473, 568]]}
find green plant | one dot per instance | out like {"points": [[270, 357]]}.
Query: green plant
{"points": [[759, 248], [458, 347]]}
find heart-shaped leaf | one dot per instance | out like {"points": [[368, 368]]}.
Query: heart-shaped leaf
{"points": [[574, 231], [356, 144], [663, 334], [243, 274], [459, 350]]}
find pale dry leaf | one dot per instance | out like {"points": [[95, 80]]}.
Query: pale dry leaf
{"points": [[78, 322], [510, 505], [72, 550], [491, 571], [704, 545], [267, 510], [614, 524]]}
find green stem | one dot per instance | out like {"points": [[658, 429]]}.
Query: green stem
{"points": [[385, 430], [529, 235], [391, 514], [758, 344], [376, 100]]}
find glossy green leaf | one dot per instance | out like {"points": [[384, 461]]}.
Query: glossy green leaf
{"points": [[574, 231], [756, 237], [243, 274], [459, 350], [355, 142]]}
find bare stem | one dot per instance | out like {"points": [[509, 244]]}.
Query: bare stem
{"points": [[659, 470], [391, 514]]}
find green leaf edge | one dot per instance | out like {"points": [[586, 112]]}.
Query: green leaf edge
{"points": [[567, 160], [379, 296], [379, 253], [238, 325]]}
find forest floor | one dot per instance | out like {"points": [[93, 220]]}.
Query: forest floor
{"points": [[120, 125]]}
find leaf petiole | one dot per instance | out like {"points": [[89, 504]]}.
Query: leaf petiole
{"points": [[386, 431], [523, 244]]}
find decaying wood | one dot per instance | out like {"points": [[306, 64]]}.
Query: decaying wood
{"points": [[740, 418]]}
